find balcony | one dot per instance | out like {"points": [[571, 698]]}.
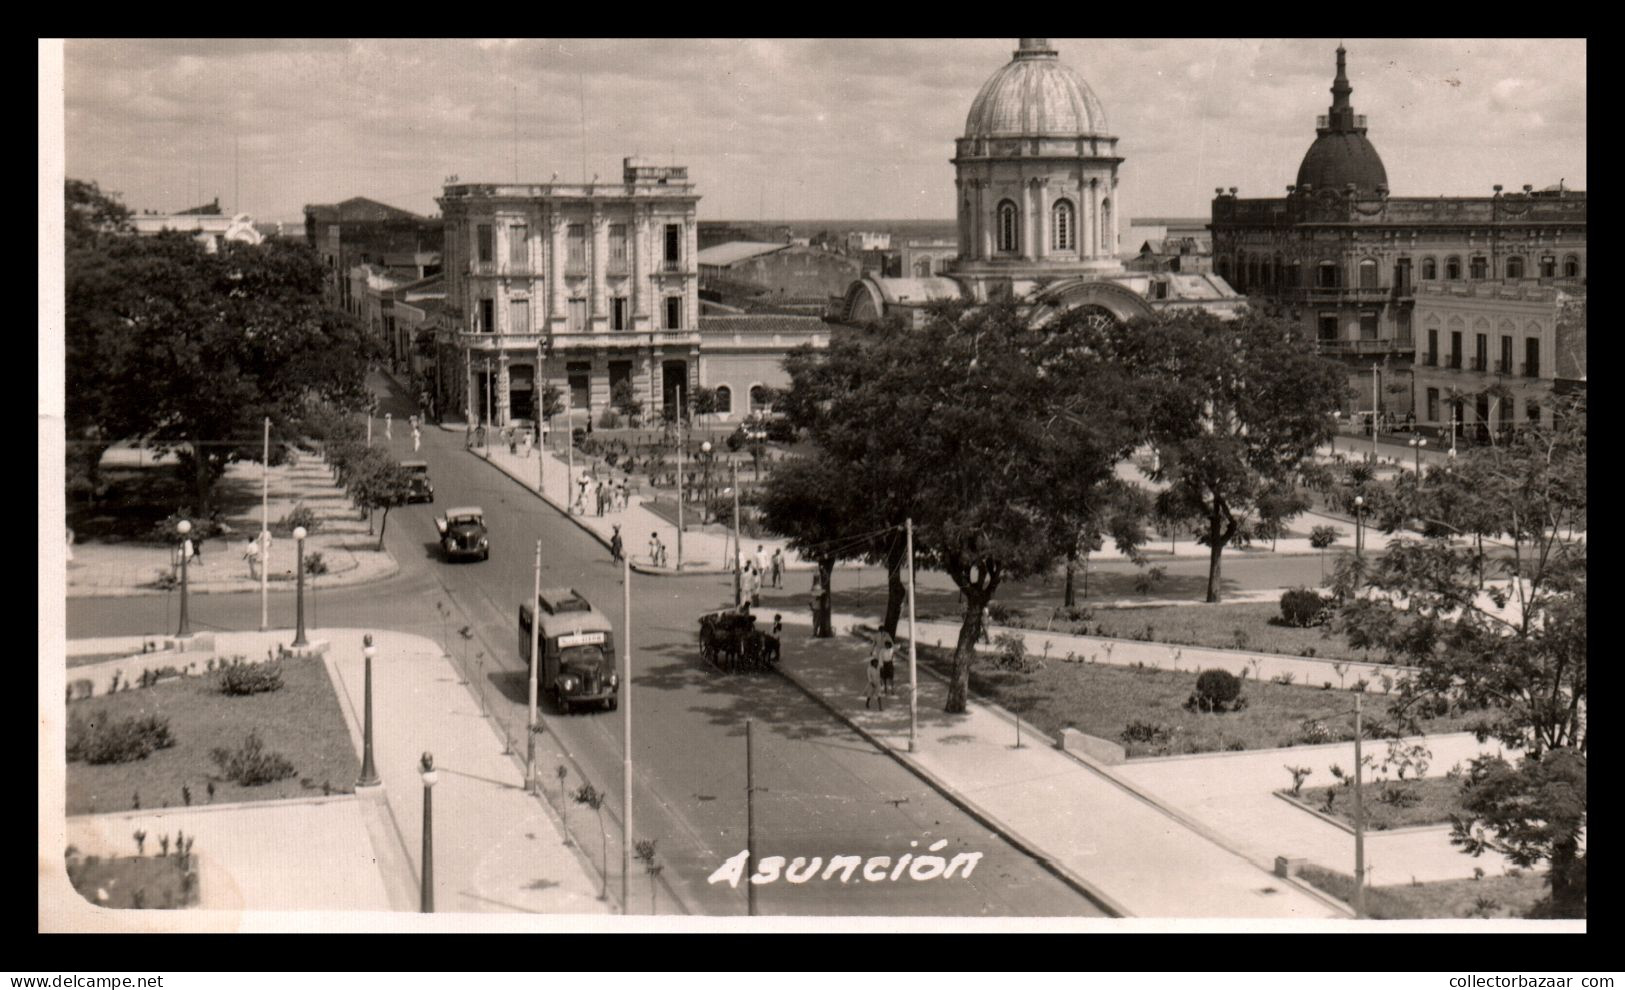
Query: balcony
{"points": [[1333, 294], [670, 266], [1529, 369], [1503, 367], [1455, 362], [476, 341], [618, 267], [1430, 360], [482, 268], [1479, 364], [1383, 345], [576, 269]]}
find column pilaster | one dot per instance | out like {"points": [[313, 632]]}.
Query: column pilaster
{"points": [[555, 270]]}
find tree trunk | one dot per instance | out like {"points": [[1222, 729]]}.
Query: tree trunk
{"points": [[823, 628], [1067, 599], [382, 522], [970, 630], [1568, 897], [1085, 576], [1218, 535], [896, 587], [203, 480]]}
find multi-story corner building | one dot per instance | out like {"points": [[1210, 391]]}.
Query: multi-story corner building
{"points": [[586, 286], [1038, 211], [1345, 260], [361, 231], [923, 257]]}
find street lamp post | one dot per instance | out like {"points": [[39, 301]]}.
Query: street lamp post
{"points": [[681, 488], [299, 587], [426, 897], [1417, 443], [183, 527], [705, 484], [369, 773], [1359, 528], [1337, 420]]}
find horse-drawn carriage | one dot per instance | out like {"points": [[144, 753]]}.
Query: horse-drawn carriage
{"points": [[730, 641]]}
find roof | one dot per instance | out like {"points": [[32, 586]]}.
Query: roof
{"points": [[1337, 159], [358, 208], [762, 323], [465, 510], [733, 252], [576, 622], [414, 464], [918, 290], [1035, 95]]}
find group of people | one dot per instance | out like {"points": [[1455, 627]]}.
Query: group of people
{"points": [[760, 569], [881, 672], [607, 494]]}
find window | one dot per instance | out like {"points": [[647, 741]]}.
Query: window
{"points": [[578, 315], [1328, 326], [1008, 232], [1433, 349], [620, 371], [1404, 322], [1402, 275], [488, 316], [922, 267], [1506, 356], [1480, 267], [1368, 274], [1452, 269], [1481, 351], [1455, 348], [674, 245], [576, 241], [617, 247], [1532, 412], [1368, 325], [1571, 267], [1294, 275], [1063, 227], [1430, 270], [1433, 405], [1531, 357], [758, 398], [485, 241], [1326, 275], [1515, 267], [579, 374], [617, 313], [519, 316], [725, 399], [1548, 266], [674, 312], [518, 246]]}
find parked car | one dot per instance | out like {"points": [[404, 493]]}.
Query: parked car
{"points": [[422, 490], [462, 533], [578, 649]]}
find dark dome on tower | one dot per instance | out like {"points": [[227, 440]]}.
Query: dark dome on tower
{"points": [[1341, 153]]}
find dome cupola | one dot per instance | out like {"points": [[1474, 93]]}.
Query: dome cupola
{"points": [[1035, 95], [1341, 154]]}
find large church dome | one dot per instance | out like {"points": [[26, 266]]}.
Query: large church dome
{"points": [[1342, 154], [1035, 95]]}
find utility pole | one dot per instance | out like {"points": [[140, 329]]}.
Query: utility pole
{"points": [[1376, 379], [1359, 821], [680, 487], [535, 661], [541, 407], [569, 451], [913, 673], [265, 529], [490, 409], [626, 730], [737, 553], [750, 825]]}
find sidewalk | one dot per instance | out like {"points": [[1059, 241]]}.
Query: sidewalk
{"points": [[1099, 834]]}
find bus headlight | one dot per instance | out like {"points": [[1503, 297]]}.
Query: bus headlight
{"points": [[569, 683]]}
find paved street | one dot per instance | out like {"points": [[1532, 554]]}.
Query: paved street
{"points": [[822, 790]]}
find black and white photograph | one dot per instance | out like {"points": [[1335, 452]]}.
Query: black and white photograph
{"points": [[821, 485]]}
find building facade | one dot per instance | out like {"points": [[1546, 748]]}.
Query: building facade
{"points": [[923, 257], [1345, 260], [211, 230], [782, 272], [1036, 177], [362, 231]]}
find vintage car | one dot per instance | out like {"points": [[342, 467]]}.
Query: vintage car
{"points": [[578, 650], [462, 533], [418, 477]]}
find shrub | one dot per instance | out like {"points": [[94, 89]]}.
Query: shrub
{"points": [[1302, 607], [1216, 690], [1299, 775], [250, 764], [314, 564], [300, 516], [1011, 650], [1313, 731], [1144, 732], [116, 742], [246, 678], [609, 420], [999, 613]]}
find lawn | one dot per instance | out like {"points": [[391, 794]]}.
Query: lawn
{"points": [[135, 882], [1104, 700], [1492, 897], [1253, 626], [1391, 803], [86, 659], [302, 721]]}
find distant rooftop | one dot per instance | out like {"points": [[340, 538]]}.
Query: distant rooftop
{"points": [[723, 255]]}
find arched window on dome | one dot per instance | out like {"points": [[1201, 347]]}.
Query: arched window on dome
{"points": [[1430, 269], [1515, 267], [1009, 227], [1063, 227]]}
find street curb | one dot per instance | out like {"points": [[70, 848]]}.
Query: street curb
{"points": [[1089, 891], [126, 591], [222, 806], [1349, 829]]}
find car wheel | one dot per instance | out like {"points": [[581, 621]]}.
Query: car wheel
{"points": [[614, 703], [486, 555], [564, 704]]}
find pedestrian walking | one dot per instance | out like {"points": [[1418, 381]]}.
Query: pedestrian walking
{"points": [[888, 668], [251, 553], [774, 643], [754, 583], [387, 434], [513, 442], [581, 493], [620, 495], [654, 549], [778, 567], [616, 545], [872, 693], [817, 596], [778, 625], [525, 444], [602, 492], [761, 560], [417, 439], [70, 542]]}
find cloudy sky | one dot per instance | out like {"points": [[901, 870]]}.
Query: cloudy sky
{"points": [[799, 129]]}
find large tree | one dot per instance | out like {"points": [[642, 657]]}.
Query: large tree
{"points": [[191, 350], [376, 480], [809, 500], [1517, 652], [1235, 409]]}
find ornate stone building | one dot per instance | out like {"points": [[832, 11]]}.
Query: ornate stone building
{"points": [[1038, 210], [1344, 259]]}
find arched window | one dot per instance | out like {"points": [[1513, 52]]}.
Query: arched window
{"points": [[1063, 227], [1430, 269], [1452, 269], [725, 400], [1514, 267], [1571, 267], [1326, 275], [758, 398], [1009, 231], [1368, 273]]}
